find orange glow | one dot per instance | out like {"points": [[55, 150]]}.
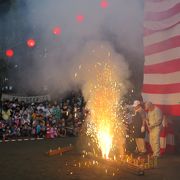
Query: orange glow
{"points": [[103, 106]]}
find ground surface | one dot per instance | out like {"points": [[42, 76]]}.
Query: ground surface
{"points": [[27, 160]]}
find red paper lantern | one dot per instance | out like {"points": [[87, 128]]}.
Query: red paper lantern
{"points": [[104, 4], [31, 43], [56, 31], [9, 53], [79, 18]]}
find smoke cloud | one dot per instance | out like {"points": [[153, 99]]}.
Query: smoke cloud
{"points": [[56, 59], [93, 59]]}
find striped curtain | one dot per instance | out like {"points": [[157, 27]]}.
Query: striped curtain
{"points": [[162, 55]]}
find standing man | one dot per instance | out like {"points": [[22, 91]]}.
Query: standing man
{"points": [[138, 123], [154, 121]]}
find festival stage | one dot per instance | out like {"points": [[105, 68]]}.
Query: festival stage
{"points": [[28, 160]]}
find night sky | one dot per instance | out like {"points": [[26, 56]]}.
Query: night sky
{"points": [[80, 21]]}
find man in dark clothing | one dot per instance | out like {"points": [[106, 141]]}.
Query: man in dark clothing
{"points": [[138, 122]]}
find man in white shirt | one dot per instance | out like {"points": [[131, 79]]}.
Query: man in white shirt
{"points": [[154, 121]]}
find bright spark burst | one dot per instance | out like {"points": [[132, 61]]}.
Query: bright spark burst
{"points": [[103, 104]]}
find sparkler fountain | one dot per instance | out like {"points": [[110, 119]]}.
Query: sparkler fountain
{"points": [[104, 103], [104, 76]]}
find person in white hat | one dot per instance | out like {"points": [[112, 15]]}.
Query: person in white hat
{"points": [[154, 121], [138, 122]]}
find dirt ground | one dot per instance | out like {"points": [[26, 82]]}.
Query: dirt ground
{"points": [[27, 161]]}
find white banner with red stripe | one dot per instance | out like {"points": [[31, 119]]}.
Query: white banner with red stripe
{"points": [[27, 99]]}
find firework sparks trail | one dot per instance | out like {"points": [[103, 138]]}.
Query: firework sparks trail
{"points": [[103, 104]]}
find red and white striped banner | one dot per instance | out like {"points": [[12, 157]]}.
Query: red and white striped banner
{"points": [[167, 144], [162, 55]]}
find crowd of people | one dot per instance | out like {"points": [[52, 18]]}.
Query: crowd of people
{"points": [[65, 118], [58, 119]]}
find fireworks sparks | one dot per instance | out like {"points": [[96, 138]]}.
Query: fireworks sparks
{"points": [[105, 141], [103, 105], [75, 75], [80, 66]]}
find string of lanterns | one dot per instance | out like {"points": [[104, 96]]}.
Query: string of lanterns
{"points": [[31, 43]]}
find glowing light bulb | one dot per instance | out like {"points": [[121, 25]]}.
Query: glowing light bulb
{"points": [[56, 31], [9, 53], [104, 4], [31, 43], [79, 18]]}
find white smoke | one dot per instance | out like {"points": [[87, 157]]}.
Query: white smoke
{"points": [[56, 58], [98, 53]]}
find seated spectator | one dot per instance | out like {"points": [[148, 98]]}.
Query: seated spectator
{"points": [[6, 113], [43, 129], [38, 130], [56, 112], [20, 119], [61, 128]]}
